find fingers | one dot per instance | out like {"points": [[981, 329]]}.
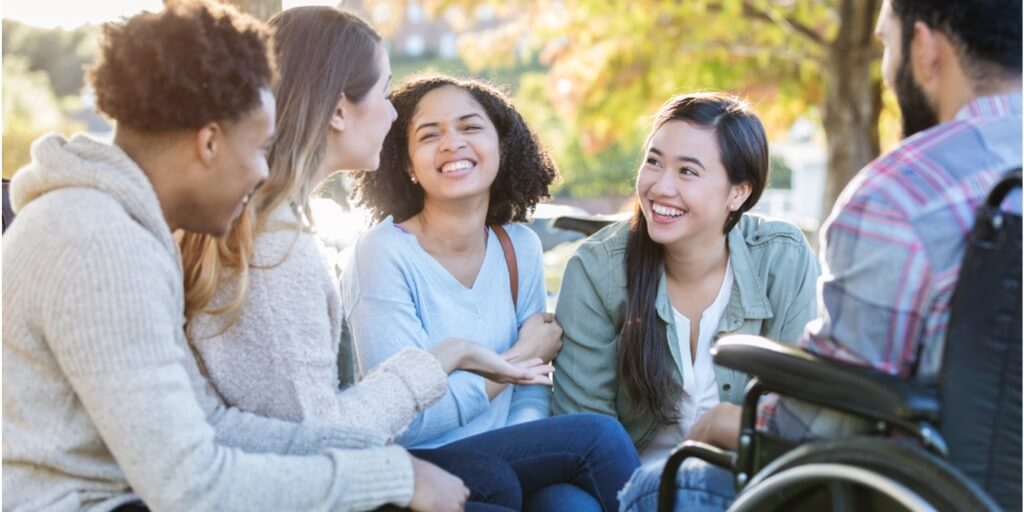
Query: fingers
{"points": [[538, 372], [548, 317], [540, 380], [511, 355], [531, 363]]}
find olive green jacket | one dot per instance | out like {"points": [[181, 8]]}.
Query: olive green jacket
{"points": [[773, 295]]}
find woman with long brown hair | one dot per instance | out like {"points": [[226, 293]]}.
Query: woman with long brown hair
{"points": [[643, 301], [263, 310]]}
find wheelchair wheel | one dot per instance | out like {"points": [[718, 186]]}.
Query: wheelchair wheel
{"points": [[861, 473]]}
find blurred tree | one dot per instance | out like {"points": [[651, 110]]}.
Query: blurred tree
{"points": [[61, 54], [30, 109], [613, 61], [262, 9], [607, 171]]}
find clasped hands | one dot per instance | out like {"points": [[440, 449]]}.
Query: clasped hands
{"points": [[527, 362]]}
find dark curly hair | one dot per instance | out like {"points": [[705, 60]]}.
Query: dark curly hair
{"points": [[190, 64], [524, 174], [987, 33]]}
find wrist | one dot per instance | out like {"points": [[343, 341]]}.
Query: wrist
{"points": [[449, 353], [522, 350]]}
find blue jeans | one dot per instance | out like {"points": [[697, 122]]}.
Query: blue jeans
{"points": [[700, 487], [493, 485], [561, 497], [589, 452]]}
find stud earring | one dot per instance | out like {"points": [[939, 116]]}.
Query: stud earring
{"points": [[413, 178]]}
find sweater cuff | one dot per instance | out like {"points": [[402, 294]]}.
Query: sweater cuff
{"points": [[422, 374], [375, 477]]}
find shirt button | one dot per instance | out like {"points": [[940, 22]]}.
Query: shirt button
{"points": [[725, 387]]}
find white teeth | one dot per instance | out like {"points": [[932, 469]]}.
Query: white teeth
{"points": [[456, 166], [245, 200], [665, 210]]}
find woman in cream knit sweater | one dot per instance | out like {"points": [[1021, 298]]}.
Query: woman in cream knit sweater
{"points": [[264, 314]]}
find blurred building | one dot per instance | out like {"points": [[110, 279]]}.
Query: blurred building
{"points": [[801, 202], [413, 34]]}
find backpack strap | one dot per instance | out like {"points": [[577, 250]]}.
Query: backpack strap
{"points": [[510, 260]]}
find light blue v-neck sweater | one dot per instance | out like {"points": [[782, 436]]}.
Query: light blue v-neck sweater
{"points": [[396, 295]]}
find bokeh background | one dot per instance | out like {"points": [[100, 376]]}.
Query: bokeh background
{"points": [[587, 74]]}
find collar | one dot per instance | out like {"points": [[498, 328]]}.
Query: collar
{"points": [[748, 300], [1003, 105]]}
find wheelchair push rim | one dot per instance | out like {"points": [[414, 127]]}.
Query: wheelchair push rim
{"points": [[789, 483]]}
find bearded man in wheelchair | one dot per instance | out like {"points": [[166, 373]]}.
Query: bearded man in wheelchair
{"points": [[906, 393]]}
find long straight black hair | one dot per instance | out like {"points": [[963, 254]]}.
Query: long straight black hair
{"points": [[645, 363]]}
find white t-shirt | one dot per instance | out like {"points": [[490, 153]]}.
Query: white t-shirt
{"points": [[700, 388]]}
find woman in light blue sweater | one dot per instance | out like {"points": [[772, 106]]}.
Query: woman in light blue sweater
{"points": [[459, 165]]}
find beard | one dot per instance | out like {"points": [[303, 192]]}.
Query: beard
{"points": [[917, 112]]}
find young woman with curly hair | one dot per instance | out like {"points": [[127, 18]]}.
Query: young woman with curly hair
{"points": [[458, 167]]}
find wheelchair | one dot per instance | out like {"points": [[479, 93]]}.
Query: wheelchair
{"points": [[954, 445]]}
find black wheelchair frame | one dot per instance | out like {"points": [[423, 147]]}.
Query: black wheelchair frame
{"points": [[980, 469]]}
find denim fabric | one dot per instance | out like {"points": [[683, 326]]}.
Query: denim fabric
{"points": [[491, 480], [700, 487], [559, 497], [589, 451]]}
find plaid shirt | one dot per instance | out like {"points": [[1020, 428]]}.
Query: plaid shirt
{"points": [[892, 248]]}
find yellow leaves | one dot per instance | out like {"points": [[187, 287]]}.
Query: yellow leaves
{"points": [[492, 48]]}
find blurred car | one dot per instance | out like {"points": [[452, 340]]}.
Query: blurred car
{"points": [[551, 236], [561, 229]]}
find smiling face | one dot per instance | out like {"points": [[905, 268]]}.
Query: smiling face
{"points": [[453, 146], [683, 189], [237, 165]]}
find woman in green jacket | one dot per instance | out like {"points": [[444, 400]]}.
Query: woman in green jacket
{"points": [[643, 301]]}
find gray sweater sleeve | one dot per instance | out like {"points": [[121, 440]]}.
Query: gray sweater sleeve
{"points": [[115, 340], [279, 360]]}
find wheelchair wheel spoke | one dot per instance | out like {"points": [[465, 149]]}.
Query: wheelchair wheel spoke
{"points": [[842, 496]]}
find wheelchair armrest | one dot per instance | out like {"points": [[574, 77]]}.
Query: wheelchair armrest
{"points": [[794, 372]]}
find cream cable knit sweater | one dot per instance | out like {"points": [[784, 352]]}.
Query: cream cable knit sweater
{"points": [[280, 358], [102, 401]]}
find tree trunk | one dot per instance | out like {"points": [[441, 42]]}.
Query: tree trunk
{"points": [[853, 99], [262, 9]]}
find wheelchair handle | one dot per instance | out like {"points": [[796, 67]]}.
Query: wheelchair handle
{"points": [[1009, 181]]}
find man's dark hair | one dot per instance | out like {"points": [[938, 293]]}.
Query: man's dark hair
{"points": [[183, 67], [987, 33], [524, 174]]}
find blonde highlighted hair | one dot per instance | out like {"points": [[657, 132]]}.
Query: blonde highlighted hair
{"points": [[322, 54]]}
